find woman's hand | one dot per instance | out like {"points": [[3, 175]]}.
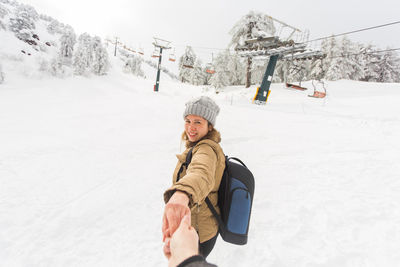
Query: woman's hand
{"points": [[176, 208]]}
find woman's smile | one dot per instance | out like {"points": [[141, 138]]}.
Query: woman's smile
{"points": [[196, 127]]}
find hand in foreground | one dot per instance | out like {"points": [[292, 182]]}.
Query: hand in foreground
{"points": [[175, 210], [184, 243]]}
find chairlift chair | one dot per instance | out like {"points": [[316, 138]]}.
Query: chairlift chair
{"points": [[141, 51], [188, 62], [172, 56], [295, 69], [318, 94], [318, 79], [210, 68], [295, 86], [156, 54]]}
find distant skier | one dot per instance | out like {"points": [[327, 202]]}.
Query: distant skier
{"points": [[201, 178]]}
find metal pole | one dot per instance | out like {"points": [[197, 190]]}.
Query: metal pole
{"points": [[263, 90], [158, 71], [116, 43]]}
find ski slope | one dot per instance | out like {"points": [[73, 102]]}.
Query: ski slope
{"points": [[84, 163]]}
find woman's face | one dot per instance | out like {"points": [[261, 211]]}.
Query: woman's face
{"points": [[196, 127]]}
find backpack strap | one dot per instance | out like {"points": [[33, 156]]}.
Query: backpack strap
{"points": [[216, 215], [185, 164], [238, 160]]}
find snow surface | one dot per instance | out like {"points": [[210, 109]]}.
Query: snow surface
{"points": [[84, 163]]}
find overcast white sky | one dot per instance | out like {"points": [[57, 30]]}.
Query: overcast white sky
{"points": [[207, 23]]}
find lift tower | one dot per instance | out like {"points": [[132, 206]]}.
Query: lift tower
{"points": [[276, 47], [161, 44]]}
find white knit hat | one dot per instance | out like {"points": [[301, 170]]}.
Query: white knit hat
{"points": [[202, 106]]}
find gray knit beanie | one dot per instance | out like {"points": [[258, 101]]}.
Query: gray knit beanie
{"points": [[202, 106]]}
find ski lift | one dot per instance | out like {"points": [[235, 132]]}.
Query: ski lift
{"points": [[140, 51], [210, 68], [172, 56], [318, 94], [294, 70], [188, 62], [317, 78], [295, 86], [156, 53]]}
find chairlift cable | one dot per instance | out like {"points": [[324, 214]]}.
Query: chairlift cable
{"points": [[351, 32], [365, 53]]}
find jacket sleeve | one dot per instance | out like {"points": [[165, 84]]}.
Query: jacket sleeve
{"points": [[200, 176], [196, 261]]}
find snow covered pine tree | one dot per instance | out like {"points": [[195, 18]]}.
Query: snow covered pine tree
{"points": [[23, 22], [101, 63], [83, 57], [252, 25], [67, 42], [186, 63]]}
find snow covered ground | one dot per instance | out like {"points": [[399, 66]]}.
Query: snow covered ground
{"points": [[84, 163]]}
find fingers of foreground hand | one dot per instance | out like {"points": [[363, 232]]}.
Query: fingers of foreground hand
{"points": [[167, 249], [165, 230], [174, 214], [184, 242], [186, 230]]}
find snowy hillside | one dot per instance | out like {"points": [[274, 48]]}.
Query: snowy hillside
{"points": [[38, 46], [84, 163], [85, 159], [29, 41]]}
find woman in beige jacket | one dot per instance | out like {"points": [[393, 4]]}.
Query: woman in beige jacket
{"points": [[201, 178]]}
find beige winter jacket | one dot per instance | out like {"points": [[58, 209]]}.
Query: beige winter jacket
{"points": [[201, 179]]}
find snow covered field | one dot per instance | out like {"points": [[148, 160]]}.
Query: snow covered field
{"points": [[84, 163]]}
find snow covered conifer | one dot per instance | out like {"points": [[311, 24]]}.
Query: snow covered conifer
{"points": [[133, 64], [83, 56], [57, 68], [56, 27], [297, 70], [67, 42], [186, 63], [333, 60], [3, 12], [369, 62], [389, 67], [281, 70], [252, 25], [2, 26], [100, 61], [198, 74], [237, 70], [317, 71], [220, 78], [23, 22], [350, 66], [258, 69]]}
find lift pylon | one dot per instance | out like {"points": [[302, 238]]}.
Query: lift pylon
{"points": [[294, 45], [161, 44]]}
